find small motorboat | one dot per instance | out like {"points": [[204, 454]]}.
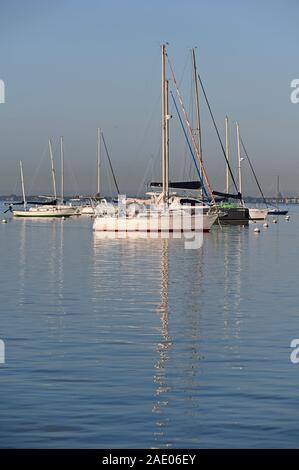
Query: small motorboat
{"points": [[278, 212]]}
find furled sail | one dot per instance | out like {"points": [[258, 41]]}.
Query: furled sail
{"points": [[228, 195], [180, 185]]}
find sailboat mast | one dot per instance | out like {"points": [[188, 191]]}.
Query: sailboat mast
{"points": [[239, 158], [23, 186], [167, 117], [52, 169], [227, 154], [98, 160], [62, 168], [165, 128], [198, 126]]}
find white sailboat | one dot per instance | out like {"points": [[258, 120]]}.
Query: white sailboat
{"points": [[254, 212], [89, 208], [57, 210], [162, 212]]}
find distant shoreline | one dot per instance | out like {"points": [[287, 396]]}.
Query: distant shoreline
{"points": [[247, 199]]}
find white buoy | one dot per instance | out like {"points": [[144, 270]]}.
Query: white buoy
{"points": [[274, 221], [4, 221], [257, 230], [266, 225], [287, 217], [63, 218]]}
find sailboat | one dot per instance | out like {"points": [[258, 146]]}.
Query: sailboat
{"points": [[88, 208], [234, 213], [47, 210], [278, 211], [162, 212], [87, 204], [254, 212], [229, 212]]}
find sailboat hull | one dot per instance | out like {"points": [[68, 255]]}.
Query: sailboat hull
{"points": [[159, 224], [258, 214], [234, 215], [86, 210], [277, 212], [46, 211]]}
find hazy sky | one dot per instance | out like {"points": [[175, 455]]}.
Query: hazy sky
{"points": [[71, 66]]}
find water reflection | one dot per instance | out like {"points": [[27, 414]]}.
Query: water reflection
{"points": [[41, 247], [232, 246], [162, 348], [144, 262], [151, 315], [182, 365], [154, 339], [232, 278], [22, 261], [154, 260], [60, 263]]}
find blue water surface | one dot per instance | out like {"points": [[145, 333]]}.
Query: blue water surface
{"points": [[134, 343]]}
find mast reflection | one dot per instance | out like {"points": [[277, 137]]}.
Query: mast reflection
{"points": [[22, 268], [162, 348]]}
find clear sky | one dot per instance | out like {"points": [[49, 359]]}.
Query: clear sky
{"points": [[71, 66]]}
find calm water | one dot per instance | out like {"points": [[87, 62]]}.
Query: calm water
{"points": [[141, 343]]}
